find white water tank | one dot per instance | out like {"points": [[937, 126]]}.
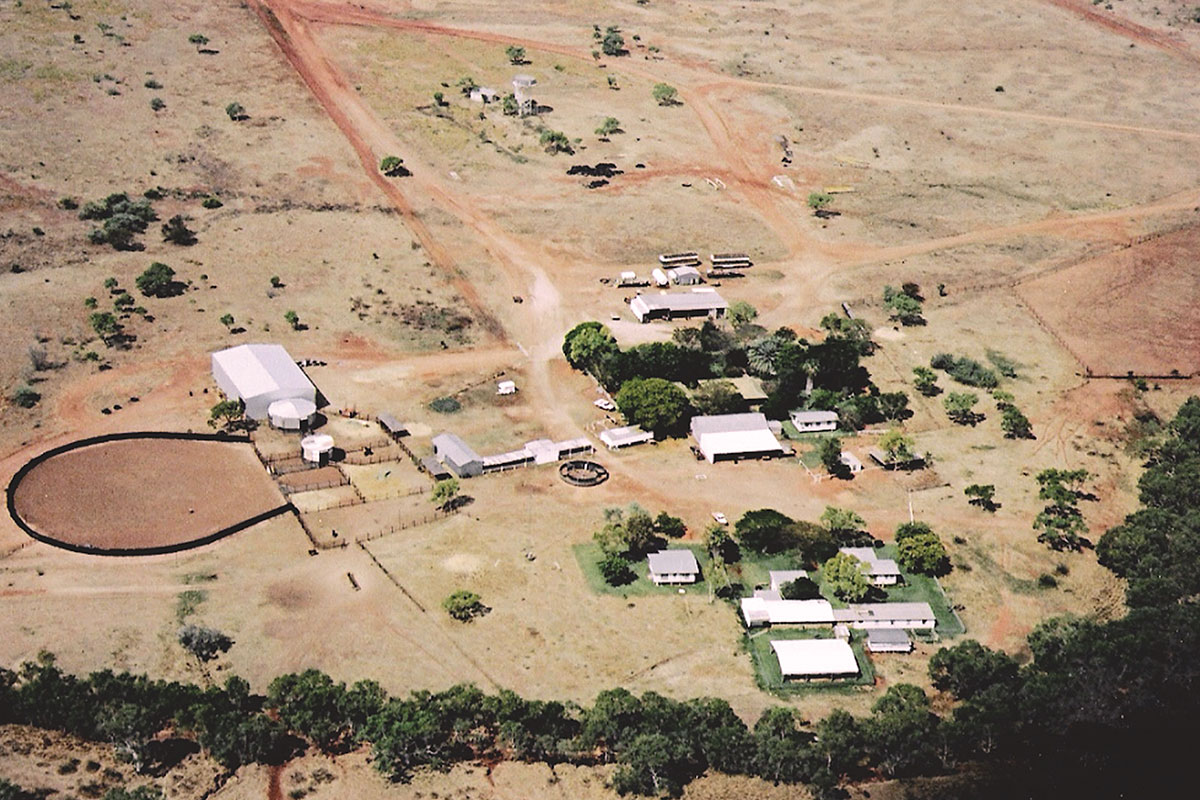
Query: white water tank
{"points": [[315, 449]]}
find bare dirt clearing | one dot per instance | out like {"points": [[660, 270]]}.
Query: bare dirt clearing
{"points": [[1137, 310], [144, 493]]}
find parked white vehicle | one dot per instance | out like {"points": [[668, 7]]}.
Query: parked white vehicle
{"points": [[720, 518], [605, 404]]}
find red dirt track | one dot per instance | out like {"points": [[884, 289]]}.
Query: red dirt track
{"points": [[144, 493]]}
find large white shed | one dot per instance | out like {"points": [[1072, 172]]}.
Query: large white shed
{"points": [[260, 374]]}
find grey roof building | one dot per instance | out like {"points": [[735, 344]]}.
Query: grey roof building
{"points": [[674, 566], [457, 455], [678, 304]]}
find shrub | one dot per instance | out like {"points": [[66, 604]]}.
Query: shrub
{"points": [[236, 112], [211, 202], [665, 94], [151, 83], [445, 405], [25, 397], [464, 606], [204, 643], [157, 103]]}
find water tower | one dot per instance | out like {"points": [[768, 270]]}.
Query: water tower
{"points": [[521, 86]]}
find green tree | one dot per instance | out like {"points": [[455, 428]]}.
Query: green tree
{"points": [[123, 302], [157, 104], [555, 142], [445, 493], [587, 347], [800, 589], [719, 543], [1060, 523], [717, 397], [515, 54], [764, 530], [25, 396], [198, 39], [464, 605], [669, 526], [612, 82], [969, 669], [608, 127], [227, 320], [665, 94], [204, 643], [292, 318], [653, 403], [741, 313], [906, 530], [811, 543], [843, 524], [819, 201], [176, 231], [509, 106], [982, 495], [236, 112], [106, 326], [1015, 424], [829, 450], [902, 307], [392, 166], [226, 414], [897, 446], [276, 282], [923, 553], [960, 407], [158, 281], [925, 381], [616, 569], [846, 577], [439, 99], [612, 43]]}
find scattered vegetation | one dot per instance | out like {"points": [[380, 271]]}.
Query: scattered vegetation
{"points": [[965, 370], [122, 220], [464, 605], [665, 94]]}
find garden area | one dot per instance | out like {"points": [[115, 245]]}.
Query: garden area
{"points": [[590, 555]]}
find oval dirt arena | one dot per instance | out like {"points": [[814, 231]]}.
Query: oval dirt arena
{"points": [[143, 495]]}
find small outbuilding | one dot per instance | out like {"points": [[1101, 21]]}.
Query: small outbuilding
{"points": [[506, 387], [888, 640], [815, 658], [457, 455], [685, 276], [674, 566], [627, 436], [851, 462]]}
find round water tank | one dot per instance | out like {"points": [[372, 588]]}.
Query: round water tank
{"points": [[316, 448], [291, 414]]}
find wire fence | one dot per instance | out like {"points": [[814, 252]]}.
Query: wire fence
{"points": [[331, 483]]}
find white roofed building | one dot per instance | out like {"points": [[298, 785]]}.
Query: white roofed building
{"points": [[723, 437], [815, 658], [765, 610], [811, 421], [673, 566], [910, 616], [260, 374], [880, 571], [627, 436]]}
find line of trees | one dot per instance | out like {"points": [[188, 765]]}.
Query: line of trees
{"points": [[827, 375]]}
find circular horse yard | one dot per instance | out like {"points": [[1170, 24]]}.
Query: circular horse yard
{"points": [[581, 472], [141, 495]]}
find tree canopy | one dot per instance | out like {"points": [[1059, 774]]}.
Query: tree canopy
{"points": [[655, 404]]}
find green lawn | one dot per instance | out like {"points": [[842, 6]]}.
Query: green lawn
{"points": [[753, 569], [588, 555], [914, 589], [923, 587], [766, 665]]}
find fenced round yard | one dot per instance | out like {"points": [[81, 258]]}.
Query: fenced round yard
{"points": [[580, 472], [142, 493]]}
